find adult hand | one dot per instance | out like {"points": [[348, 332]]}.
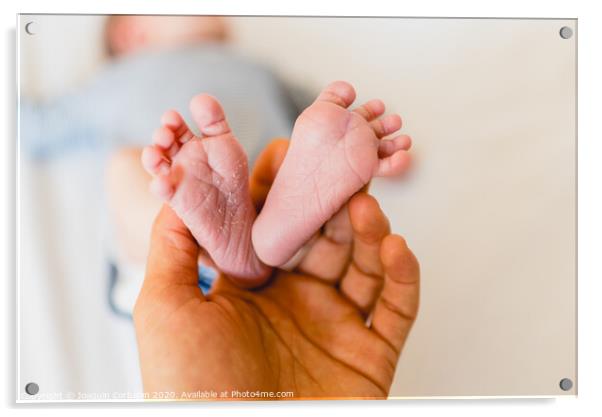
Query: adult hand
{"points": [[304, 333]]}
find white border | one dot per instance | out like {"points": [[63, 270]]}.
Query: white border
{"points": [[33, 400], [18, 213], [590, 174]]}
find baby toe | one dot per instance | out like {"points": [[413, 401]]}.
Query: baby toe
{"points": [[371, 110], [175, 122], [339, 92], [172, 119], [209, 115], [392, 165], [164, 137], [161, 187], [153, 160], [386, 125], [387, 147]]}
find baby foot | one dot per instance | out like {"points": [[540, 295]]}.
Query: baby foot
{"points": [[205, 180], [333, 153]]}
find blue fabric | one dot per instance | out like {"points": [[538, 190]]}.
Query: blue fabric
{"points": [[123, 103], [206, 278]]}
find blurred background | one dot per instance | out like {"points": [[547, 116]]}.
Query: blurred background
{"points": [[489, 208]]}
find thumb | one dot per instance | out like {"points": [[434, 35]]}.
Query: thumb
{"points": [[173, 254], [265, 169]]}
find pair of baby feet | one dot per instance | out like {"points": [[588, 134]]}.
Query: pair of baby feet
{"points": [[332, 154]]}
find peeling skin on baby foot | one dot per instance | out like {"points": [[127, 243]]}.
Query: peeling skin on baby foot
{"points": [[333, 153], [205, 180]]}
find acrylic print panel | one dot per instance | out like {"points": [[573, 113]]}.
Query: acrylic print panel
{"points": [[489, 206]]}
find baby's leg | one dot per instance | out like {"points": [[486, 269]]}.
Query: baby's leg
{"points": [[206, 181]]}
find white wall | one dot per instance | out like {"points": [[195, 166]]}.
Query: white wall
{"points": [[490, 207]]}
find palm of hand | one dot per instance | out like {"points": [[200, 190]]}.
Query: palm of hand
{"points": [[298, 334]]}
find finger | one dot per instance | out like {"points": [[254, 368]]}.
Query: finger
{"points": [[171, 279], [334, 244], [397, 306], [386, 125], [173, 254], [388, 147], [371, 109], [265, 169], [364, 278]]}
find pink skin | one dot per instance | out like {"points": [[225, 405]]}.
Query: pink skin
{"points": [[333, 153], [205, 180]]}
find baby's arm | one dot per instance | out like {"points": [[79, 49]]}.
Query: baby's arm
{"points": [[131, 205]]}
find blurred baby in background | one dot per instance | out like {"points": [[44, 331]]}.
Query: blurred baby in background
{"points": [[155, 62]]}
